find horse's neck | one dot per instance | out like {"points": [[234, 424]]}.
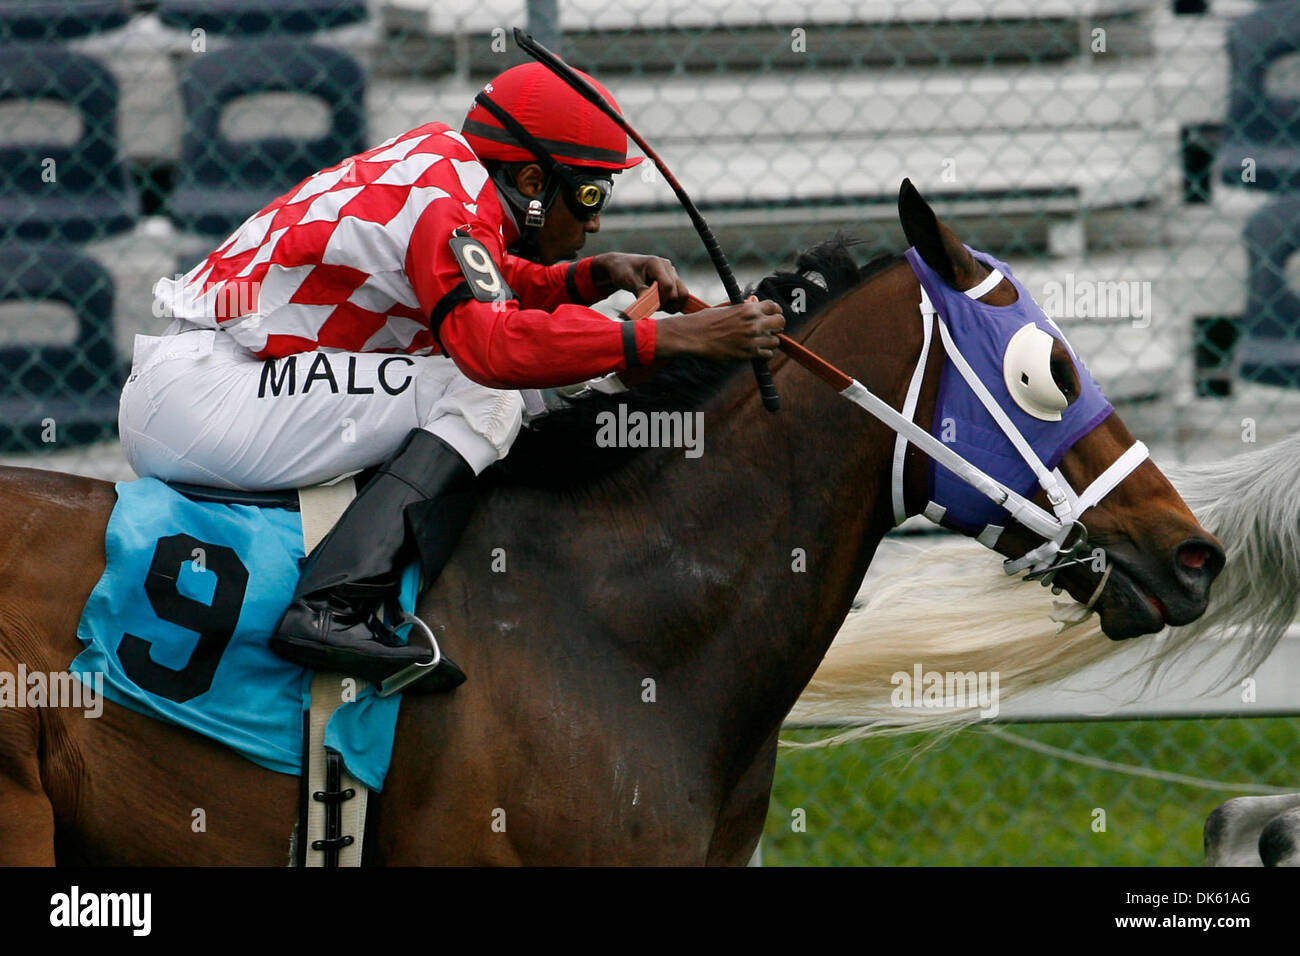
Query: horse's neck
{"points": [[769, 533]]}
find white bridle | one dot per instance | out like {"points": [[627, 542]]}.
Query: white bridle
{"points": [[1056, 528]]}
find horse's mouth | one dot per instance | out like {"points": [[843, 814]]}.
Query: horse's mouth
{"points": [[1127, 608]]}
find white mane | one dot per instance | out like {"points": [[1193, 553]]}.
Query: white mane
{"points": [[953, 609]]}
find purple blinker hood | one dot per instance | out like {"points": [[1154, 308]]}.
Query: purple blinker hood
{"points": [[981, 333]]}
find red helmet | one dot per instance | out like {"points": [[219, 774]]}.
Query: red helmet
{"points": [[575, 132]]}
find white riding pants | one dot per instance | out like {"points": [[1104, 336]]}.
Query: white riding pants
{"points": [[199, 408]]}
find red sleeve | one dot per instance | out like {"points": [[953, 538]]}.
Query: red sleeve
{"points": [[502, 344], [530, 348], [545, 287]]}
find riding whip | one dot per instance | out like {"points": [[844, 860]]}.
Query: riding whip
{"points": [[766, 388]]}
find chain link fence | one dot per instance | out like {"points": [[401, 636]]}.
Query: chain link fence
{"points": [[1137, 161], [1112, 793]]}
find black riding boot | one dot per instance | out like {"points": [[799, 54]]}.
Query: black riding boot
{"points": [[417, 504]]}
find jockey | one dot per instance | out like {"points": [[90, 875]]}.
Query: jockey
{"points": [[385, 311]]}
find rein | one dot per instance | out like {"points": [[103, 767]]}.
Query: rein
{"points": [[1065, 537]]}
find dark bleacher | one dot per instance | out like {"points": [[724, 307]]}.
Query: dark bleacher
{"points": [[68, 390], [220, 182], [259, 17], [53, 191], [55, 20]]}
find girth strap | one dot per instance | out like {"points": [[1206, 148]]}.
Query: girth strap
{"points": [[335, 821]]}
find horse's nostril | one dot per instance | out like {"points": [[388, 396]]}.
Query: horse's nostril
{"points": [[1199, 560]]}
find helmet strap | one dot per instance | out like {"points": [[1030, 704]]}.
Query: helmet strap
{"points": [[534, 209], [535, 214]]}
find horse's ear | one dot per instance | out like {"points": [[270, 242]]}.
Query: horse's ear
{"points": [[921, 226], [937, 244]]}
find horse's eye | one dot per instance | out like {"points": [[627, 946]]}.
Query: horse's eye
{"points": [[1063, 376]]}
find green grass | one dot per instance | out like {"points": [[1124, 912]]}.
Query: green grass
{"points": [[975, 800]]}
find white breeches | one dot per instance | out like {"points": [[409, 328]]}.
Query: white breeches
{"points": [[200, 408]]}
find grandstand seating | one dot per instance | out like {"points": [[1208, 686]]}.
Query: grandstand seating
{"points": [[1260, 150], [54, 20], [1262, 128], [74, 385], [221, 181], [616, 18], [740, 38], [53, 190], [254, 17], [1269, 350], [832, 147]]}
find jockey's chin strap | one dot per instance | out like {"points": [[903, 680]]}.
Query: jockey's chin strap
{"points": [[1065, 538]]}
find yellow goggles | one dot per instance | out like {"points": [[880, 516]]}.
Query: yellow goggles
{"points": [[588, 197]]}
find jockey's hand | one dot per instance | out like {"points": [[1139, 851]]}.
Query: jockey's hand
{"points": [[623, 270], [743, 331]]}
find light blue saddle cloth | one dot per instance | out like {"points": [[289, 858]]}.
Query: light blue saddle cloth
{"points": [[179, 621]]}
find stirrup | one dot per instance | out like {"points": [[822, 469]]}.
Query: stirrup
{"points": [[412, 672]]}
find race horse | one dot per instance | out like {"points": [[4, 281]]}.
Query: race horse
{"points": [[630, 670]]}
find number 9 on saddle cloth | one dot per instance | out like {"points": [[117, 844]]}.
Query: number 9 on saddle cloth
{"points": [[178, 625]]}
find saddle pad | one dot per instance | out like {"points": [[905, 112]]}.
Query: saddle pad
{"points": [[178, 625]]}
